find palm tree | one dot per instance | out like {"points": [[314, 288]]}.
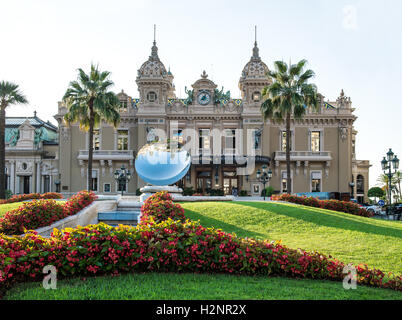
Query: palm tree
{"points": [[9, 94], [289, 94], [383, 182], [397, 180], [90, 102]]}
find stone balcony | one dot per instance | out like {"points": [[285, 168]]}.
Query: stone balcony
{"points": [[303, 156], [108, 155]]}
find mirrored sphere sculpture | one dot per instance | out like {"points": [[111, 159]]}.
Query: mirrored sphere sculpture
{"points": [[161, 164]]}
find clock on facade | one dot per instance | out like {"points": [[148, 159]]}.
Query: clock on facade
{"points": [[203, 98]]}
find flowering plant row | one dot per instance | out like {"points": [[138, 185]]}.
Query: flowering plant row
{"points": [[335, 205], [31, 196], [160, 207], [41, 213], [171, 245]]}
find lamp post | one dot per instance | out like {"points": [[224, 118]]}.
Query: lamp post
{"points": [[387, 163], [122, 176], [264, 176]]}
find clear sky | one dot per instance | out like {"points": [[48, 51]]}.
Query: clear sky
{"points": [[351, 45]]}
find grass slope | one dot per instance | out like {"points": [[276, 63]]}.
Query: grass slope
{"points": [[348, 238], [155, 286]]}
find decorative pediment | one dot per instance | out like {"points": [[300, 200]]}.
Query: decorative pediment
{"points": [[27, 136]]}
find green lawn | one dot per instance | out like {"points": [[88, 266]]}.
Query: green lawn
{"points": [[346, 237], [155, 286], [8, 206]]}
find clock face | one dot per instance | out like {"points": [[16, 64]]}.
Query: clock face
{"points": [[204, 98]]}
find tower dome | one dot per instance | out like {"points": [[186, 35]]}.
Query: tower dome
{"points": [[255, 68], [153, 67]]}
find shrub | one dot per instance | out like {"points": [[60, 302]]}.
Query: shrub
{"points": [[160, 207], [243, 193], [40, 213], [188, 191], [8, 194], [335, 205], [216, 192], [32, 196], [269, 191], [31, 215]]}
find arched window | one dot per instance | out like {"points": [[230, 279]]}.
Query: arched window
{"points": [[360, 184]]}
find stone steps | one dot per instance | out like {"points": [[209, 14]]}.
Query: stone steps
{"points": [[128, 212], [114, 218]]}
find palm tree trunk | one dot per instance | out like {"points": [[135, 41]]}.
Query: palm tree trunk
{"points": [[288, 178], [2, 152], [90, 144]]}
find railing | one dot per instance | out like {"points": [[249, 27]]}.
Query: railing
{"points": [[107, 155], [304, 156]]}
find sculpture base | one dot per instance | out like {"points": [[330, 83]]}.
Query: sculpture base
{"points": [[148, 191]]}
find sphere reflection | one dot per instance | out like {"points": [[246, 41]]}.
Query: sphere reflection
{"points": [[161, 164]]}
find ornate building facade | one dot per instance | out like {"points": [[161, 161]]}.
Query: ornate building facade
{"points": [[32, 152], [222, 131]]}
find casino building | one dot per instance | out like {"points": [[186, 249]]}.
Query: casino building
{"points": [[222, 129]]}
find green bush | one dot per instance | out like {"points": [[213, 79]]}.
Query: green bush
{"points": [[138, 192], [188, 191], [243, 193], [269, 191], [8, 194], [216, 192], [40, 213]]}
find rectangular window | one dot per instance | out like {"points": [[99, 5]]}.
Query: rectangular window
{"points": [[284, 182], [96, 137], [315, 181], [107, 187], [204, 140], [315, 141], [46, 183], [122, 140], [283, 136], [95, 180], [230, 141]]}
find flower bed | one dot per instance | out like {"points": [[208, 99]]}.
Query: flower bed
{"points": [[169, 246], [41, 213], [32, 196], [336, 205]]}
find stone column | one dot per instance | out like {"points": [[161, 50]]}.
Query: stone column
{"points": [[38, 177], [12, 176]]}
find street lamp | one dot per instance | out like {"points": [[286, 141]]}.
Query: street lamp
{"points": [[122, 176], [264, 176], [386, 164]]}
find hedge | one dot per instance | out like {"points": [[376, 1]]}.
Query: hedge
{"points": [[31, 196], [41, 213], [172, 245], [335, 205]]}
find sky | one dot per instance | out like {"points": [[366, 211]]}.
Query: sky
{"points": [[351, 45]]}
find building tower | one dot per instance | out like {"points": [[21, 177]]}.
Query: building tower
{"points": [[155, 84], [253, 78]]}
